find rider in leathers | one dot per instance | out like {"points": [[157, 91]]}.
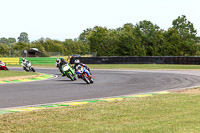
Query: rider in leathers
{"points": [[77, 62], [59, 65], [24, 63]]}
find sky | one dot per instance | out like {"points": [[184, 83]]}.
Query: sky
{"points": [[67, 19]]}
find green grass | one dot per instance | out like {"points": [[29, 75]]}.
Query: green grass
{"points": [[4, 74], [125, 66], [179, 113]]}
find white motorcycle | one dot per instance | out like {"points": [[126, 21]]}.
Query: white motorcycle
{"points": [[27, 66]]}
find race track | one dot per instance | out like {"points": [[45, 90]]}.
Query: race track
{"points": [[107, 83]]}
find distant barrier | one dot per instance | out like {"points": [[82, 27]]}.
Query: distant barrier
{"points": [[33, 60], [190, 60], [40, 60], [10, 60]]}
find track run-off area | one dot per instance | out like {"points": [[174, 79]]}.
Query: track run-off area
{"points": [[107, 83]]}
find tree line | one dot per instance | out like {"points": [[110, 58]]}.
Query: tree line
{"points": [[142, 39]]}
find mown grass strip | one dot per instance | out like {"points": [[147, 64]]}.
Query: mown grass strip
{"points": [[44, 76], [49, 106], [93, 101], [173, 112], [82, 102], [6, 112], [6, 74]]}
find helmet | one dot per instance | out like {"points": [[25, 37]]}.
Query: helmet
{"points": [[57, 60], [77, 61], [23, 59], [62, 59]]}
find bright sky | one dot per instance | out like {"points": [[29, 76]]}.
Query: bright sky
{"points": [[66, 19]]}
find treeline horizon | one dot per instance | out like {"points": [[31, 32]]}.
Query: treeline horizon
{"points": [[141, 39]]}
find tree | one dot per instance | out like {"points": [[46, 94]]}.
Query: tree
{"points": [[129, 44], [11, 40], [4, 40], [75, 47], [147, 31], [3, 50], [99, 41], [185, 28], [84, 35], [187, 34], [172, 44], [21, 46], [52, 46], [23, 37]]}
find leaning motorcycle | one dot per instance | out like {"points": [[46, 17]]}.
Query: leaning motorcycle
{"points": [[69, 72], [84, 74], [27, 66], [3, 66]]}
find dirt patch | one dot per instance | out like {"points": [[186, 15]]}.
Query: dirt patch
{"points": [[189, 91], [19, 77]]}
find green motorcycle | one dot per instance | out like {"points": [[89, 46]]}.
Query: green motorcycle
{"points": [[69, 72]]}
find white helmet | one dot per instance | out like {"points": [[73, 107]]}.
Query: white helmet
{"points": [[23, 59], [77, 61], [57, 60]]}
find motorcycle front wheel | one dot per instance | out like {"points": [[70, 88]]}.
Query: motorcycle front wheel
{"points": [[86, 79], [32, 69], [70, 76], [6, 68], [91, 80]]}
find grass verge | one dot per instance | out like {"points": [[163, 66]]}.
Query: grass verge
{"points": [[125, 66], [174, 112], [5, 74]]}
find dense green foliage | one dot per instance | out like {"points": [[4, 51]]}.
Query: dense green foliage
{"points": [[23, 37], [142, 39]]}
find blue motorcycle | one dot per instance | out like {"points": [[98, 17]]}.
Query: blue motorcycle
{"points": [[84, 74]]}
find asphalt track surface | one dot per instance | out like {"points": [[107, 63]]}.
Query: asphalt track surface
{"points": [[107, 83]]}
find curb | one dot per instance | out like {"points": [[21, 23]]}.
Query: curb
{"points": [[64, 104], [41, 77]]}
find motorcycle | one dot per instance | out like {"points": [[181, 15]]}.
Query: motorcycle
{"points": [[3, 66], [27, 66], [84, 74], [69, 72]]}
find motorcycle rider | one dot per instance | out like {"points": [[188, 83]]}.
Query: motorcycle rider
{"points": [[60, 64], [1, 63], [77, 62], [24, 63], [27, 66]]}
